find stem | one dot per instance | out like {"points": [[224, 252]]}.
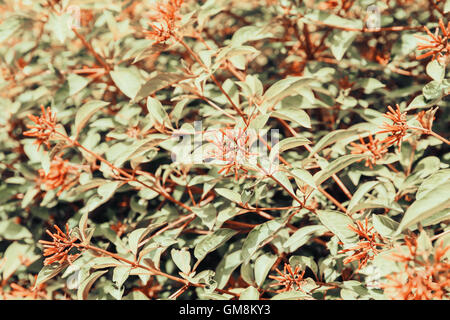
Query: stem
{"points": [[91, 50], [334, 176], [213, 78], [434, 134]]}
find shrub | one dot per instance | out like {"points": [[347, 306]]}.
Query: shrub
{"points": [[263, 149]]}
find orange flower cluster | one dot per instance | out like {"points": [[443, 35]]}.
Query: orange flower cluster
{"points": [[18, 291], [232, 150], [58, 175], [289, 279], [44, 127], [397, 129], [366, 249], [423, 278], [58, 250], [438, 46], [165, 16], [374, 148]]}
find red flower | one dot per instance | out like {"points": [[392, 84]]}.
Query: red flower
{"points": [[44, 127], [374, 148], [397, 129], [58, 175], [165, 18], [290, 279], [425, 275], [438, 46], [232, 150], [58, 250], [366, 249]]}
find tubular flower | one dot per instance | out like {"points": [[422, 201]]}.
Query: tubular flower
{"points": [[438, 46], [425, 276], [44, 127], [165, 17], [232, 150], [58, 175], [397, 129], [58, 249], [18, 291], [289, 279], [366, 249], [374, 148]]}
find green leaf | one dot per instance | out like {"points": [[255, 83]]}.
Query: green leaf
{"points": [[229, 194], [82, 225], [284, 88], [336, 166], [121, 274], [107, 190], [432, 90], [370, 85], [211, 242], [227, 265], [284, 180], [10, 230], [298, 116], [259, 121], [435, 70], [251, 293], [158, 82], [86, 112], [249, 33], [48, 272], [247, 273], [86, 285], [156, 111], [139, 148], [135, 238], [13, 256], [436, 218], [9, 26], [207, 214], [333, 137], [434, 201], [340, 42], [59, 23], [338, 223], [263, 264], [287, 144], [76, 83], [304, 177], [127, 80], [432, 182], [302, 236], [384, 225], [138, 235], [182, 259], [257, 236], [418, 102], [359, 194]]}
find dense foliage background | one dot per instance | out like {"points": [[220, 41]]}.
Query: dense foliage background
{"points": [[94, 93]]}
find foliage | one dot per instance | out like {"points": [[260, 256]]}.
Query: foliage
{"points": [[101, 100]]}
